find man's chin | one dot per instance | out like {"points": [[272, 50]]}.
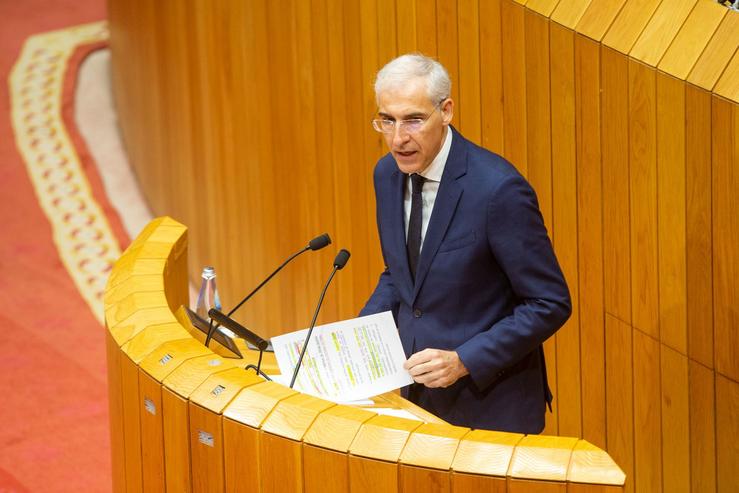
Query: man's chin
{"points": [[409, 164]]}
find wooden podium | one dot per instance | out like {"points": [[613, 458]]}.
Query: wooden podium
{"points": [[187, 419]]}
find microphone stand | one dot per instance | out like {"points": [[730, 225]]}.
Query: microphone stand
{"points": [[339, 263], [315, 244]]}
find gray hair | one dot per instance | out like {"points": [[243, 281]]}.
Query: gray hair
{"points": [[409, 66]]}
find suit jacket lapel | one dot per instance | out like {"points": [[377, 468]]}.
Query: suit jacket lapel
{"points": [[446, 203]]}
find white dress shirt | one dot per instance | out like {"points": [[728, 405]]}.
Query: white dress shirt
{"points": [[430, 187]]}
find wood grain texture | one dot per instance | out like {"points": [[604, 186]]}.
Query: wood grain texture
{"points": [[542, 457], [671, 212], [590, 239], [241, 459], [176, 426], [292, 416], [698, 216], [206, 456], [661, 31], [565, 229], [469, 110], [369, 475], [647, 413], [675, 420], [336, 427], [727, 85], [281, 464], [725, 179], [115, 414], [152, 433], [691, 40], [717, 54], [421, 480], [514, 85], [253, 404], [599, 16], [491, 76], [390, 433], [643, 197], [525, 486], [325, 470], [702, 398], [442, 439], [131, 424], [486, 452], [727, 448], [620, 396], [629, 24], [616, 203], [473, 483], [590, 464], [568, 14]]}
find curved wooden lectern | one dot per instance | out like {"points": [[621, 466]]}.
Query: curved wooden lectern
{"points": [[184, 418]]}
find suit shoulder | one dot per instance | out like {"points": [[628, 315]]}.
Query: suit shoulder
{"points": [[490, 167]]}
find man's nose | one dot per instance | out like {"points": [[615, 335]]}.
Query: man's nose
{"points": [[400, 136]]}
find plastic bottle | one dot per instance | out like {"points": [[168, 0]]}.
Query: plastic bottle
{"points": [[208, 296]]}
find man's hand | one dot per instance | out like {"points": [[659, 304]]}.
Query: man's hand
{"points": [[435, 367]]}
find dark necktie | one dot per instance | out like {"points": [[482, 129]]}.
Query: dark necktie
{"points": [[415, 222]]}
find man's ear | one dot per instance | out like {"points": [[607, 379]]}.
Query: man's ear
{"points": [[447, 111]]}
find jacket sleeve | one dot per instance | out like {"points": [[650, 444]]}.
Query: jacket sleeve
{"points": [[384, 298], [518, 239]]}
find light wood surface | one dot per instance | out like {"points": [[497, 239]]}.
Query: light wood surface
{"points": [[633, 159]]}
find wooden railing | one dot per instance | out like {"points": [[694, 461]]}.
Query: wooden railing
{"points": [[184, 418]]}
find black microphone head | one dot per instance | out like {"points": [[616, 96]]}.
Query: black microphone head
{"points": [[341, 259], [319, 242]]}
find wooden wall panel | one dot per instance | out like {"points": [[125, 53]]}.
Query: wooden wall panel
{"points": [[565, 234], [616, 204], [249, 122], [671, 212], [699, 275], [727, 451], [620, 396], [647, 413], [590, 239], [725, 172], [643, 197], [675, 420], [702, 428], [514, 85]]}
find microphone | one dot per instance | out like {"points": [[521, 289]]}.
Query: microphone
{"points": [[339, 262], [244, 333], [315, 244]]}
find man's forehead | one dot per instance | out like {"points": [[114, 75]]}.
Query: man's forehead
{"points": [[401, 100]]}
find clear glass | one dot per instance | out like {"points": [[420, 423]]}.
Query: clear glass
{"points": [[208, 296]]}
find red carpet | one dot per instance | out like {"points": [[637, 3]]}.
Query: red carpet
{"points": [[54, 433]]}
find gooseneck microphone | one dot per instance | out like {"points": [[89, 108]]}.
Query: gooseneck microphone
{"points": [[339, 262], [242, 332], [315, 244]]}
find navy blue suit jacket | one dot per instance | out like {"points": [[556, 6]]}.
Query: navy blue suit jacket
{"points": [[487, 285]]}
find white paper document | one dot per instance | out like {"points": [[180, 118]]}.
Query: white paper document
{"points": [[346, 361]]}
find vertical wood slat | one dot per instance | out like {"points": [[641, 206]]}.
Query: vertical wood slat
{"points": [[514, 85], [491, 76], [616, 205], [699, 275], [671, 211], [590, 239], [643, 197], [564, 196], [647, 413], [702, 428], [675, 413], [620, 396], [725, 179]]}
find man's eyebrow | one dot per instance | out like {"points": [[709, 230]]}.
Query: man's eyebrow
{"points": [[409, 116]]}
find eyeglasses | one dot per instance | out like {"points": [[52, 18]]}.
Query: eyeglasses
{"points": [[410, 125]]}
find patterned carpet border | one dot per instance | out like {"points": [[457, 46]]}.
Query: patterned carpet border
{"points": [[82, 233]]}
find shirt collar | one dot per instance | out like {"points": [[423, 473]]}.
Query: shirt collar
{"points": [[434, 171]]}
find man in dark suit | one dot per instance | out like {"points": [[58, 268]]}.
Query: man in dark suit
{"points": [[470, 274]]}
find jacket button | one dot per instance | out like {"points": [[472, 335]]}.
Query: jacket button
{"points": [[417, 313]]}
